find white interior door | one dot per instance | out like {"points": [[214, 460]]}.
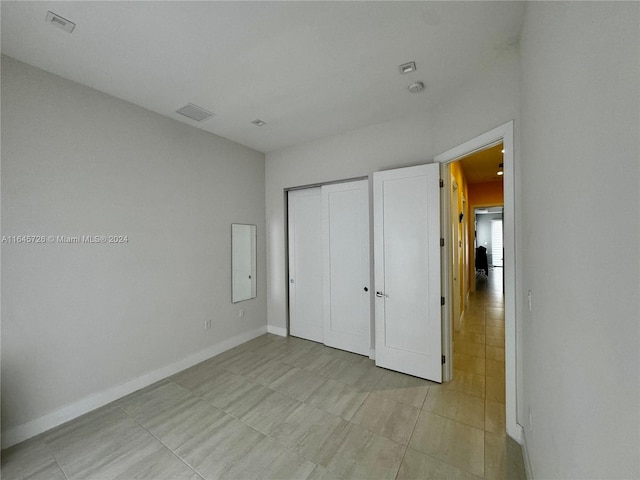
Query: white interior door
{"points": [[305, 264], [407, 270], [345, 230]]}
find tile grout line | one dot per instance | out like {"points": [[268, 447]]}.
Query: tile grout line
{"points": [[265, 435], [437, 458], [55, 458], [413, 429], [162, 443]]}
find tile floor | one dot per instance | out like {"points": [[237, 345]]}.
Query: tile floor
{"points": [[286, 408]]}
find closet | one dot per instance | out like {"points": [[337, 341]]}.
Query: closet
{"points": [[329, 268], [329, 294]]}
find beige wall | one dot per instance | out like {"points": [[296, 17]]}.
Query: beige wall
{"points": [[81, 319]]}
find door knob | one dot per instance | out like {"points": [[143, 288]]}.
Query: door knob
{"points": [[366, 289], [380, 295]]}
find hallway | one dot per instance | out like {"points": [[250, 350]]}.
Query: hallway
{"points": [[476, 396], [478, 360]]}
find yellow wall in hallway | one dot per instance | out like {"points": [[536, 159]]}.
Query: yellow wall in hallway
{"points": [[457, 173]]}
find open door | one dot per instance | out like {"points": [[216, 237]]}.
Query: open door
{"points": [[408, 324]]}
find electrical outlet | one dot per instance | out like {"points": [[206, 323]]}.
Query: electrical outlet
{"points": [[241, 313], [207, 324]]}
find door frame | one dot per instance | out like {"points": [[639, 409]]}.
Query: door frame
{"points": [[472, 249], [505, 134]]}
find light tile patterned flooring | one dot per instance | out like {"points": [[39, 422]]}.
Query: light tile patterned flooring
{"points": [[286, 408]]}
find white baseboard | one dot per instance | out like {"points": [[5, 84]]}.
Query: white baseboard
{"points": [[372, 353], [277, 330], [515, 431], [22, 432], [526, 458]]}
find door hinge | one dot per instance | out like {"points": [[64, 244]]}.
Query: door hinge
{"points": [[444, 359], [441, 300], [442, 242], [441, 183]]}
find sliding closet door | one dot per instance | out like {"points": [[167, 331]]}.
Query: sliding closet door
{"points": [[345, 248], [305, 264]]}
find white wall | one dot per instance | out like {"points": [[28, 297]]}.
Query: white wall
{"points": [[483, 231], [580, 151], [80, 319], [487, 100]]}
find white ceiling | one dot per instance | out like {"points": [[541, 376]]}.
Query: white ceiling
{"points": [[308, 69]]}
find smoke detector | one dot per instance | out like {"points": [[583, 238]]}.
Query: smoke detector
{"points": [[259, 123], [416, 87], [194, 112]]}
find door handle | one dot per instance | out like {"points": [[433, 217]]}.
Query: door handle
{"points": [[366, 289], [380, 295]]}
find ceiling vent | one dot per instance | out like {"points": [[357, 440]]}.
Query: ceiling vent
{"points": [[408, 67], [58, 21], [194, 112]]}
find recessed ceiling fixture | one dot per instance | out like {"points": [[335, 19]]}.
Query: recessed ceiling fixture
{"points": [[259, 122], [194, 112], [416, 87], [58, 21], [408, 67]]}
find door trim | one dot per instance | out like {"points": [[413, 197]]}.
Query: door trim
{"points": [[504, 133]]}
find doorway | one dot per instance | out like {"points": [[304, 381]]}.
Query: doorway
{"points": [[503, 134], [489, 242]]}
